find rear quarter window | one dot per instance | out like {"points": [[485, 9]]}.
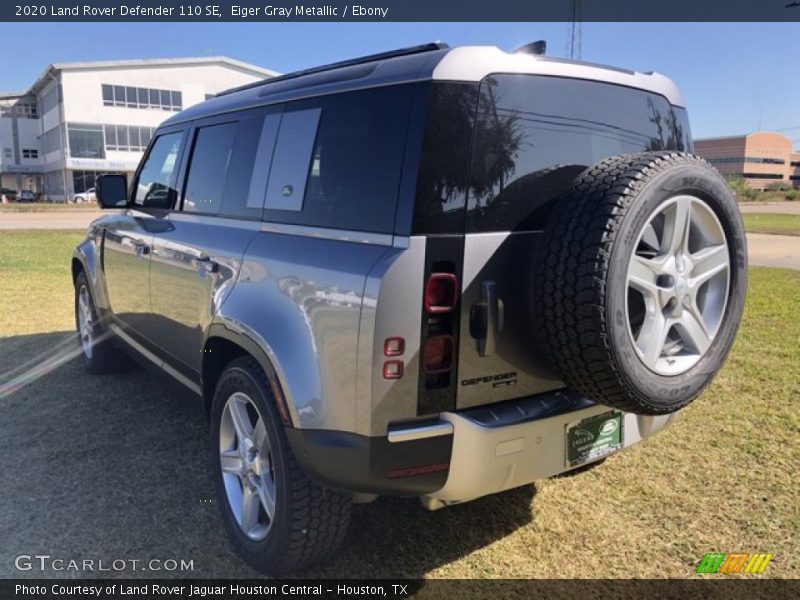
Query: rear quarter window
{"points": [[353, 166], [535, 134]]}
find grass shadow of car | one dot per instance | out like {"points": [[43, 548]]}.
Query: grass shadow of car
{"points": [[116, 467]]}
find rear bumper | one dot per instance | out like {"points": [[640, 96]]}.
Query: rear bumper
{"points": [[490, 457], [463, 455]]}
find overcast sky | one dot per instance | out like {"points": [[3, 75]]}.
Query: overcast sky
{"points": [[735, 77]]}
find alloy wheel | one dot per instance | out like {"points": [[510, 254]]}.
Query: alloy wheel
{"points": [[677, 285], [85, 321], [247, 466]]}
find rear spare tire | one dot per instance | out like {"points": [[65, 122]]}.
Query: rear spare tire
{"points": [[643, 280]]}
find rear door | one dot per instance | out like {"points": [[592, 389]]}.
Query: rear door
{"points": [[197, 253], [533, 136]]}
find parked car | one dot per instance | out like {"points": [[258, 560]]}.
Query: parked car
{"points": [[27, 196], [84, 197], [434, 272], [7, 196]]}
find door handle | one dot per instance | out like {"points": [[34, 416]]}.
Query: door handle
{"points": [[487, 319], [140, 248], [204, 265]]}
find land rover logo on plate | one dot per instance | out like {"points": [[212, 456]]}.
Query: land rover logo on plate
{"points": [[593, 437], [608, 427]]}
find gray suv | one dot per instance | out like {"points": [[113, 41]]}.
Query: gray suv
{"points": [[438, 273]]}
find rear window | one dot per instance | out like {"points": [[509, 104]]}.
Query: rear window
{"points": [[535, 134]]}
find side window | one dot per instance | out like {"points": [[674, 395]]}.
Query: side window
{"points": [[350, 160], [208, 168], [295, 143], [155, 186], [535, 134]]}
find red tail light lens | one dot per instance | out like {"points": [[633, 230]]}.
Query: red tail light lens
{"points": [[437, 355], [441, 293], [393, 369], [394, 346]]}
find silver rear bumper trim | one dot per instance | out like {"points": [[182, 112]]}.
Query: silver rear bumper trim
{"points": [[408, 434]]}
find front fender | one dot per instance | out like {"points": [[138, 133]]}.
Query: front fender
{"points": [[86, 257]]}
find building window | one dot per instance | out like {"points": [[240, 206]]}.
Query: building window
{"points": [[30, 153], [794, 177], [762, 175], [85, 140], [748, 159], [795, 163], [134, 97], [127, 138], [108, 95], [7, 154], [27, 110]]}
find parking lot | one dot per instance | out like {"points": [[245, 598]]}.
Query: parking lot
{"points": [[116, 467]]}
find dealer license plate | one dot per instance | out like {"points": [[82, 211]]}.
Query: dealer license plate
{"points": [[593, 437]]}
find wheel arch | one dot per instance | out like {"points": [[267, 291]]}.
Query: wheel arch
{"points": [[223, 345]]}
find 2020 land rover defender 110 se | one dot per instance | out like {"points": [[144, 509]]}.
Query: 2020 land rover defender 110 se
{"points": [[434, 272]]}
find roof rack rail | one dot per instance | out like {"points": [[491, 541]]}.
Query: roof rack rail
{"points": [[430, 47]]}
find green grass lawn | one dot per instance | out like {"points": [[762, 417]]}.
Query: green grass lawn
{"points": [[772, 223], [722, 478]]}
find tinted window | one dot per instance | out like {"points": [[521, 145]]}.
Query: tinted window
{"points": [[353, 170], [444, 166], [245, 184], [682, 131], [535, 134], [296, 135], [208, 168], [108, 94], [155, 186]]}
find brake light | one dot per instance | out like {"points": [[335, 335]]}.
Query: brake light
{"points": [[437, 355], [441, 293], [393, 369]]}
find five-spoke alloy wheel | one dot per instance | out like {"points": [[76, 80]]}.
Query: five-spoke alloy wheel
{"points": [[678, 278], [278, 519], [246, 465]]}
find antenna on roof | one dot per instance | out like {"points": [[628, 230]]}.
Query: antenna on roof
{"points": [[538, 48]]}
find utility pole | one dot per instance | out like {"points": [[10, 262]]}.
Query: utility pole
{"points": [[575, 49]]}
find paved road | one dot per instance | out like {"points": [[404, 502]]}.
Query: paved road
{"points": [[54, 219], [774, 250], [778, 208]]}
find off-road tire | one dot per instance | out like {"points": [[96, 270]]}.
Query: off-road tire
{"points": [[310, 520], [582, 276]]}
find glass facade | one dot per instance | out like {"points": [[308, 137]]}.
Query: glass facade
{"points": [[86, 140]]}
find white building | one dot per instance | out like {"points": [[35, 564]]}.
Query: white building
{"points": [[81, 119]]}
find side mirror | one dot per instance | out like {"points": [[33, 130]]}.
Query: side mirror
{"points": [[111, 191]]}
